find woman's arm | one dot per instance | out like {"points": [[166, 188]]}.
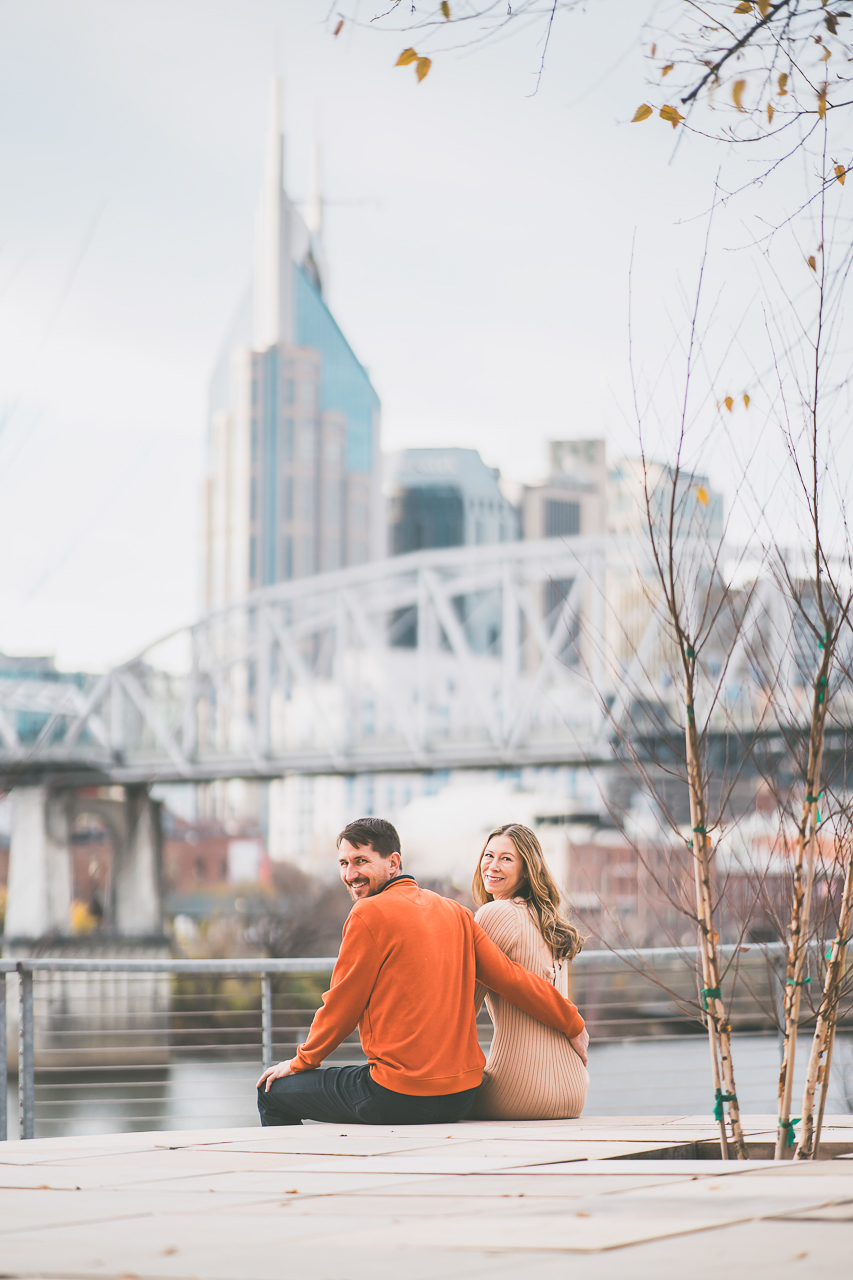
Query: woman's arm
{"points": [[502, 922]]}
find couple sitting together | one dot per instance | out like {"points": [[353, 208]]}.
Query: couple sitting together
{"points": [[412, 973]]}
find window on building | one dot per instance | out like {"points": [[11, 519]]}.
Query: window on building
{"points": [[306, 441], [287, 439], [332, 501], [422, 518], [562, 519], [288, 498], [307, 500]]}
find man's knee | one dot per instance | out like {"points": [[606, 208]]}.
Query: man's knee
{"points": [[273, 1105]]}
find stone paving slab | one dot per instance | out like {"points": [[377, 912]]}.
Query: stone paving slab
{"points": [[329, 1202]]}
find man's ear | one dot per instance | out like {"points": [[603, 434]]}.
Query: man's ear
{"points": [[397, 860]]}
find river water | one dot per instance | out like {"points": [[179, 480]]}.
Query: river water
{"points": [[627, 1078]]}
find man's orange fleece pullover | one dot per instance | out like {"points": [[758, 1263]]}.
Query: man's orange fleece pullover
{"points": [[405, 976]]}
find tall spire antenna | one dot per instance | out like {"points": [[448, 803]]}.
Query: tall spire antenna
{"points": [[314, 210], [273, 258]]}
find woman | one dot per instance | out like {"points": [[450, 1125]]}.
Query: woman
{"points": [[533, 1072]]}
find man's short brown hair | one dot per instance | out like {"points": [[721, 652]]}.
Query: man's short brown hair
{"points": [[377, 832]]}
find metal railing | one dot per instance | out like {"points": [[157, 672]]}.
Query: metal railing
{"points": [[107, 1033]]}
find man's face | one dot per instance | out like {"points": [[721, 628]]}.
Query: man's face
{"points": [[364, 871]]}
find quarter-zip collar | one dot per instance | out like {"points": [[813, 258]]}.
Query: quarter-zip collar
{"points": [[396, 880]]}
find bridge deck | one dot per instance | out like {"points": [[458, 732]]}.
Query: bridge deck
{"points": [[469, 1200]]}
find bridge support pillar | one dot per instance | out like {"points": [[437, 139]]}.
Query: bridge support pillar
{"points": [[39, 893], [138, 868]]}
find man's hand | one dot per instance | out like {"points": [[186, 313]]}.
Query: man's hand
{"points": [[278, 1072], [580, 1044]]}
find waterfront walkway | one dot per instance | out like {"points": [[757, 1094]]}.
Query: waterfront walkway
{"points": [[594, 1198]]}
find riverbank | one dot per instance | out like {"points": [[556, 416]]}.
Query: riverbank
{"points": [[328, 1202]]}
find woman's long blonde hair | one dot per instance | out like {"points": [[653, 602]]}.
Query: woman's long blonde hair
{"points": [[537, 888]]}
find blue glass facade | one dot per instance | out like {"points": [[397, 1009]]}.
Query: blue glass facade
{"points": [[344, 384]]}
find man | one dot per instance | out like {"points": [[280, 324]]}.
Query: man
{"points": [[405, 976]]}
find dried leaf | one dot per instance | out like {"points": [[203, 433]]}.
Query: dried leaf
{"points": [[702, 496], [831, 23], [445, 9], [744, 7], [737, 93], [783, 80], [821, 101], [423, 67], [672, 114], [812, 261], [745, 400], [339, 28], [406, 57], [840, 173], [770, 113], [826, 55], [729, 403], [666, 70], [642, 113], [654, 49], [763, 7]]}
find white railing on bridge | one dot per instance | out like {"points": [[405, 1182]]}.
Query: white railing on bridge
{"points": [[496, 656]]}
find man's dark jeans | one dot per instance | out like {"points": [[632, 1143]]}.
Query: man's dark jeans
{"points": [[350, 1095]]}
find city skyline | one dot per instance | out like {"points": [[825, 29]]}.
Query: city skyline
{"points": [[478, 262]]}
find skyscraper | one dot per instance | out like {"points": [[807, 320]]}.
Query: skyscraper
{"points": [[293, 484]]}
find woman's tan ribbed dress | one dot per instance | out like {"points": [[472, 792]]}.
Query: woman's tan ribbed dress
{"points": [[533, 1073]]}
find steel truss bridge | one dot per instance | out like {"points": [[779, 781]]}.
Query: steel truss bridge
{"points": [[500, 656]]}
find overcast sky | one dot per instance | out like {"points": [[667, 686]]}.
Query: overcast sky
{"points": [[479, 242]]}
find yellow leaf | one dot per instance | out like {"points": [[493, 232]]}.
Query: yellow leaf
{"points": [[840, 173], [445, 9], [770, 113], [642, 113], [666, 70], [783, 80], [821, 102], [826, 55], [745, 400], [744, 7], [702, 496], [423, 67], [812, 262], [729, 403], [672, 114], [406, 57], [737, 93], [339, 28], [763, 7]]}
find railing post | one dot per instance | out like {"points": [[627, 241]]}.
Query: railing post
{"points": [[26, 1054], [266, 1018], [4, 1079]]}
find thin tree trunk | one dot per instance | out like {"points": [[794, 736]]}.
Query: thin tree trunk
{"points": [[818, 1071], [718, 1028], [801, 902]]}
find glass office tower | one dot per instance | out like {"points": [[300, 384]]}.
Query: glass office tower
{"points": [[293, 484]]}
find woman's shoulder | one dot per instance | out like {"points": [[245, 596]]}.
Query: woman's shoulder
{"points": [[499, 909], [501, 919]]}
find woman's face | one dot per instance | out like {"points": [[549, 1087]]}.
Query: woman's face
{"points": [[502, 868]]}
